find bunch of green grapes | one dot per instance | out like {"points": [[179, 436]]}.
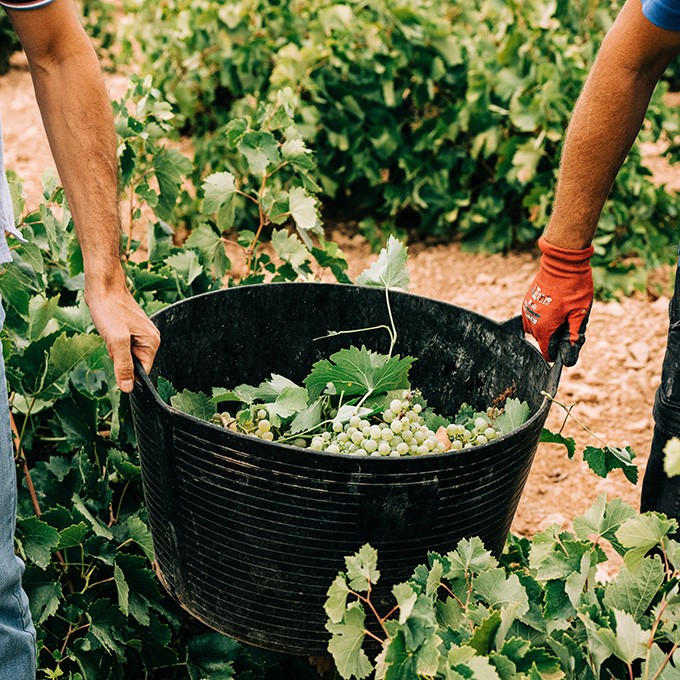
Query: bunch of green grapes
{"points": [[400, 431]]}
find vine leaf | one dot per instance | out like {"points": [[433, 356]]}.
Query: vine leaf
{"points": [[219, 190], [196, 404], [336, 599], [38, 540], [641, 533], [500, 591], [390, 269], [260, 149], [603, 460], [308, 418], [635, 586], [569, 443], [514, 414], [603, 519], [345, 645], [358, 372], [628, 643], [303, 210], [406, 598], [362, 568]]}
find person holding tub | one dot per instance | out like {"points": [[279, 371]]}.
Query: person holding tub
{"points": [[608, 115], [78, 119]]}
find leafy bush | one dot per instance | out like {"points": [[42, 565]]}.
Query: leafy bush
{"points": [[540, 612], [447, 118]]}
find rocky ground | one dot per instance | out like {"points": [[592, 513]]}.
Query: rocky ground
{"points": [[613, 384]]}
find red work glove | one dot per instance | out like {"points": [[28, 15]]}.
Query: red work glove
{"points": [[556, 308]]}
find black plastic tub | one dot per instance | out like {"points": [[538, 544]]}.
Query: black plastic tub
{"points": [[248, 534]]}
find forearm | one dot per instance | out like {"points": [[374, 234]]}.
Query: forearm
{"points": [[606, 120], [605, 123], [79, 122]]}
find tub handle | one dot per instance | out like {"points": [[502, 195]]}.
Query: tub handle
{"points": [[515, 327]]}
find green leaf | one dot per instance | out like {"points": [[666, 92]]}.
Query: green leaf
{"points": [[399, 662], [434, 578], [641, 533], [210, 245], [406, 598], [122, 588], [308, 418], [107, 626], [482, 639], [291, 401], [421, 623], [77, 415], [468, 664], [635, 586], [165, 389], [143, 590], [139, 533], [72, 536], [658, 666], [97, 525], [260, 149], [345, 645], [220, 197], [303, 209], [289, 248], [514, 415], [602, 461], [500, 591], [358, 372], [603, 519], [569, 443], [212, 656], [124, 468], [186, 264], [362, 568], [469, 557], [671, 461], [218, 188], [336, 599], [44, 597], [628, 643], [41, 319], [64, 355], [170, 167], [38, 540], [390, 271], [195, 404]]}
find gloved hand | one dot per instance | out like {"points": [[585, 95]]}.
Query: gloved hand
{"points": [[556, 308]]}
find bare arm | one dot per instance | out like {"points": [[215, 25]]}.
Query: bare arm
{"points": [[79, 122], [606, 120]]}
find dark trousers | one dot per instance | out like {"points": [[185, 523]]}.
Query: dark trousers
{"points": [[658, 491]]}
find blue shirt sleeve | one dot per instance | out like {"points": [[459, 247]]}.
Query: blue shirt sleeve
{"points": [[663, 13]]}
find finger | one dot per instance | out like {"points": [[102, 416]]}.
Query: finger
{"points": [[571, 347], [120, 350], [145, 355], [145, 345], [556, 340]]}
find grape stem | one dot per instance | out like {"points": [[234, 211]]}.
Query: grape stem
{"points": [[569, 414], [391, 329]]}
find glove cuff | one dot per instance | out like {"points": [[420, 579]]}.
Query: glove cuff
{"points": [[565, 260]]}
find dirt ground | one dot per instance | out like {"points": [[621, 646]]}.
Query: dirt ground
{"points": [[613, 384]]}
